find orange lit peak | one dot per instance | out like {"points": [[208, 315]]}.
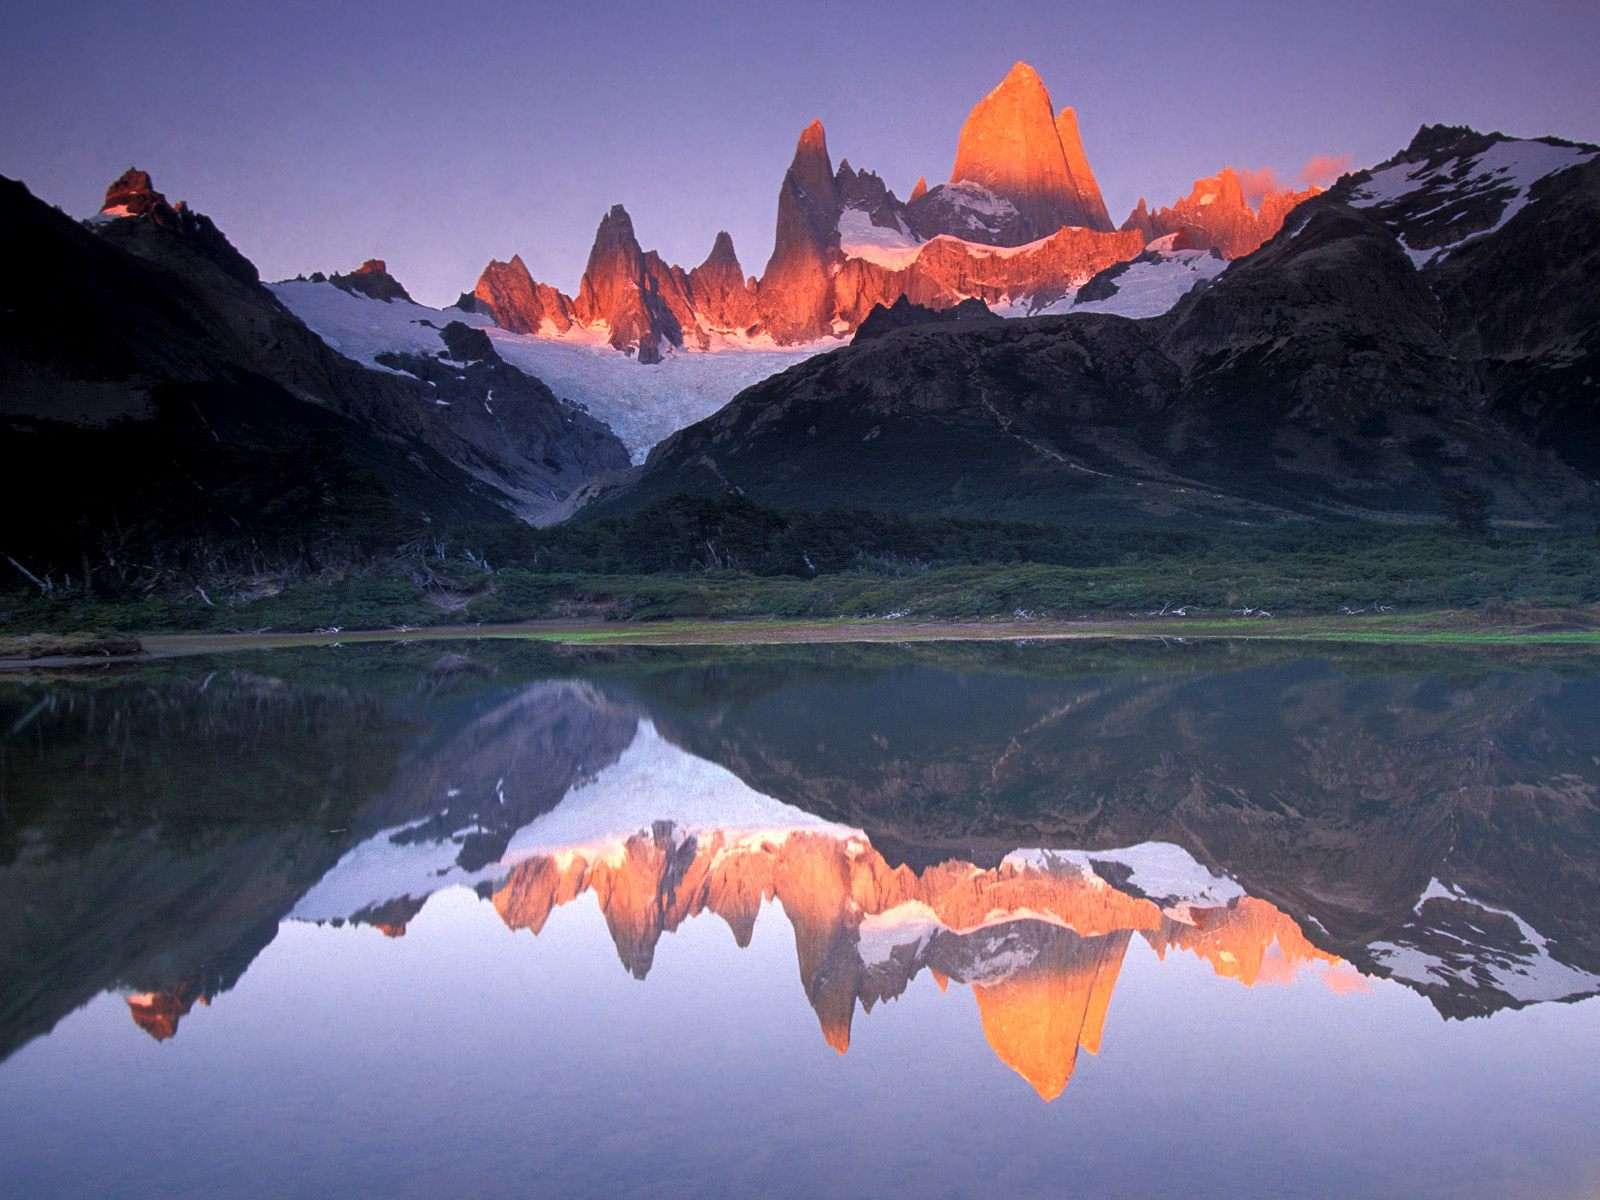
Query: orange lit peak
{"points": [[158, 1013], [1037, 1020]]}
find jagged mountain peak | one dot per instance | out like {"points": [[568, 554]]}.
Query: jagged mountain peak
{"points": [[722, 298], [811, 169], [1084, 183], [722, 251], [1217, 215], [615, 249], [139, 217], [132, 194], [616, 222], [1020, 76], [509, 293], [1011, 144], [623, 288], [372, 279], [1224, 188], [1431, 138]]}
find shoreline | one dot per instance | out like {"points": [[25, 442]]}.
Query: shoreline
{"points": [[1444, 627]]}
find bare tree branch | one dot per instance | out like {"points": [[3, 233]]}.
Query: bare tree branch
{"points": [[43, 585]]}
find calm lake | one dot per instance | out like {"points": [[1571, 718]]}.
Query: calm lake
{"points": [[503, 919]]}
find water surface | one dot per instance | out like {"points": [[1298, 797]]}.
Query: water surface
{"points": [[509, 920]]}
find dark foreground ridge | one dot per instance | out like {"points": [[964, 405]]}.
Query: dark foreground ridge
{"points": [[163, 416]]}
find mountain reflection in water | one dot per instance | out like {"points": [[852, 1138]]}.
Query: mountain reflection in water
{"points": [[1010, 820]]}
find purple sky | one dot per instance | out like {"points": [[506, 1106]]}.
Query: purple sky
{"points": [[436, 136]]}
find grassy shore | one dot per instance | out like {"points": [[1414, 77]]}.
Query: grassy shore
{"points": [[1519, 626], [897, 574]]}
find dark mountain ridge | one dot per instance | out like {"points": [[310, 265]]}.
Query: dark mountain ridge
{"points": [[159, 403]]}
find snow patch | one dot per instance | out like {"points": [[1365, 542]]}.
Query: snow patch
{"points": [[381, 869], [1527, 976], [656, 781], [912, 924], [1028, 306], [1160, 870], [894, 249], [1148, 289], [642, 403], [1508, 168], [975, 200], [653, 781]]}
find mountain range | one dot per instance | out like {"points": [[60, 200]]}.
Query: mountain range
{"points": [[1020, 224], [1417, 340], [1425, 329]]}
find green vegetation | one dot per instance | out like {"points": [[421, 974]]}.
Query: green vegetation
{"points": [[691, 558]]}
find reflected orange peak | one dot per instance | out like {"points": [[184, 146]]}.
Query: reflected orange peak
{"points": [[1040, 943]]}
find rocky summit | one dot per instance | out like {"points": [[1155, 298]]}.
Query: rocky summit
{"points": [[132, 194], [1011, 145], [372, 279], [1216, 215], [844, 242]]}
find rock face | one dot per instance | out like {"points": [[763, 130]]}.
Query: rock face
{"points": [[1216, 216], [640, 299], [722, 297], [372, 279], [866, 192], [820, 282], [844, 243], [1325, 374], [796, 300], [1140, 221], [132, 194], [1086, 187], [132, 203], [1011, 145], [1506, 232], [946, 271], [509, 293], [466, 344]]}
